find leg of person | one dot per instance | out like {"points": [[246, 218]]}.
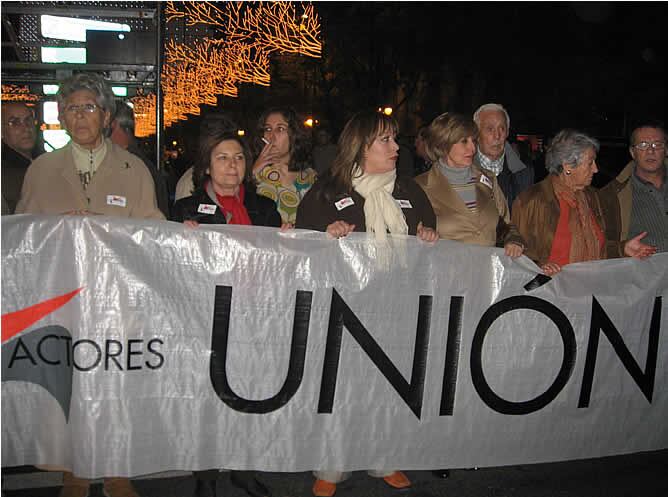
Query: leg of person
{"points": [[247, 481], [325, 483], [118, 487], [205, 483], [73, 486], [395, 479]]}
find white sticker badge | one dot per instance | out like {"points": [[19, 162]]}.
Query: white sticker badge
{"points": [[343, 203], [206, 209], [404, 204], [486, 181], [116, 200]]}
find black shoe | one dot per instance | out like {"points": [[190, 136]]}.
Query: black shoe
{"points": [[205, 488], [246, 481], [441, 473]]}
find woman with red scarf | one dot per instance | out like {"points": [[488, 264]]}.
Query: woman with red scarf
{"points": [[560, 218], [223, 191], [224, 195]]}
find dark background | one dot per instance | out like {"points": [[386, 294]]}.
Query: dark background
{"points": [[595, 66]]}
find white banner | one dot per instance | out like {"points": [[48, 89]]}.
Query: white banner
{"points": [[132, 347]]}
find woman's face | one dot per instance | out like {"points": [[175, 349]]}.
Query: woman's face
{"points": [[461, 153], [276, 132], [227, 167], [381, 156], [83, 119], [582, 175]]}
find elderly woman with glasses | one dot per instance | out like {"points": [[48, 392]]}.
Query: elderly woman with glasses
{"points": [[561, 217], [90, 175]]}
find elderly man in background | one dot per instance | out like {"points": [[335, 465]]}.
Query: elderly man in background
{"points": [[495, 154], [123, 135], [637, 200], [18, 142]]}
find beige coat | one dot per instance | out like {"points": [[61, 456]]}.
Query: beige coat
{"points": [[122, 186], [456, 222]]}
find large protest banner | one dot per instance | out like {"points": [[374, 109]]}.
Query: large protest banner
{"points": [[132, 347]]}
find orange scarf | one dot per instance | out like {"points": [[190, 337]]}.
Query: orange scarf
{"points": [[587, 242]]}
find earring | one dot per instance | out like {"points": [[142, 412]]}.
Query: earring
{"points": [[568, 173]]}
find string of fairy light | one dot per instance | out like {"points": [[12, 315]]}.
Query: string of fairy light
{"points": [[245, 36]]}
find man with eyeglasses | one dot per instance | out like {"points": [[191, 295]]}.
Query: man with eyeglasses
{"points": [[637, 200], [18, 143]]}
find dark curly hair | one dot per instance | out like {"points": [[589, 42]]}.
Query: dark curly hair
{"points": [[300, 146]]}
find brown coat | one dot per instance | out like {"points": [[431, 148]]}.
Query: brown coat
{"points": [[52, 186], [489, 226], [536, 214]]}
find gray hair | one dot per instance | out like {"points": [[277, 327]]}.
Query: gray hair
{"points": [[568, 147], [125, 118], [93, 83], [488, 107]]}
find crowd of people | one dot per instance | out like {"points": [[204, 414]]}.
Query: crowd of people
{"points": [[470, 186]]}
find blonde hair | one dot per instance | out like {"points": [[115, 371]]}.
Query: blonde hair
{"points": [[446, 130]]}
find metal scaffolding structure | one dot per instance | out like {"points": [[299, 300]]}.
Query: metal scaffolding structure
{"points": [[22, 41]]}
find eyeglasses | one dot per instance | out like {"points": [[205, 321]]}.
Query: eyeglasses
{"points": [[647, 145], [26, 122], [81, 109]]}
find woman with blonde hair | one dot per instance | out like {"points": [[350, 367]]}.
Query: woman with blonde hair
{"points": [[468, 202]]}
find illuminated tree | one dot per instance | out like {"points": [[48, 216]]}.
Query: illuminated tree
{"points": [[247, 33]]}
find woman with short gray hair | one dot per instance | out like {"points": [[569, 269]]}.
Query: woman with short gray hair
{"points": [[560, 218], [89, 82], [89, 175]]}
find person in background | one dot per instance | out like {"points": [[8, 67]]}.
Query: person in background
{"points": [[282, 170], [19, 133], [123, 134], [324, 150], [89, 175], [637, 200], [468, 201], [362, 192], [495, 154], [423, 162], [561, 217]]}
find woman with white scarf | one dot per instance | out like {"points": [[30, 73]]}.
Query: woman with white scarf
{"points": [[361, 192]]}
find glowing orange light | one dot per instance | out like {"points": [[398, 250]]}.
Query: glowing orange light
{"points": [[17, 93], [309, 122], [199, 72], [387, 111]]}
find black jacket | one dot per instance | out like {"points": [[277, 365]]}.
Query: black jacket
{"points": [[261, 210], [315, 213]]}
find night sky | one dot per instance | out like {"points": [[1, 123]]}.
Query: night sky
{"points": [[595, 66]]}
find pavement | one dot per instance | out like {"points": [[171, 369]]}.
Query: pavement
{"points": [[635, 475]]}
